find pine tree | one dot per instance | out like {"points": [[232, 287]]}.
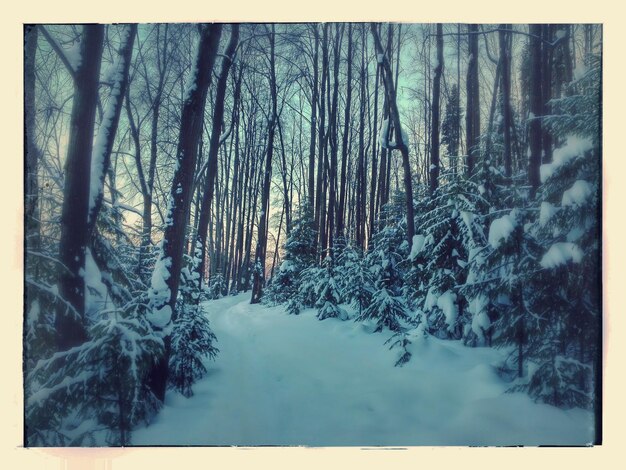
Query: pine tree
{"points": [[192, 341], [355, 281], [299, 254], [294, 305], [216, 287], [449, 227], [386, 309], [450, 127], [389, 250], [102, 381], [192, 337], [311, 279], [329, 295], [508, 278], [568, 228]]}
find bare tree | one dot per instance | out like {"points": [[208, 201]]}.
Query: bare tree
{"points": [[506, 97], [434, 139], [166, 276], [472, 117], [346, 134], [31, 189], [536, 107], [107, 131], [74, 241], [390, 93], [261, 250], [211, 164]]}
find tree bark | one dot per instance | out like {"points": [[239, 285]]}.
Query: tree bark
{"points": [[74, 241], [261, 249], [314, 99], [360, 191], [31, 181], [321, 142], [390, 92], [472, 118], [333, 137], [434, 139], [162, 65], [344, 149], [236, 193], [169, 265], [101, 158], [214, 145], [374, 194], [546, 90], [506, 98], [536, 107]]}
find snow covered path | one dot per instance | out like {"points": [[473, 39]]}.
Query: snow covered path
{"points": [[293, 380]]}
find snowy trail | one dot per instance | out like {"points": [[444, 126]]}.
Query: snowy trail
{"points": [[293, 380]]}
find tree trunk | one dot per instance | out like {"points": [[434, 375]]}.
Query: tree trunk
{"points": [[31, 181], [400, 144], [101, 158], [434, 139], [472, 119], [360, 191], [546, 90], [314, 99], [506, 98], [333, 137], [146, 232], [166, 275], [344, 149], [236, 193], [70, 328], [261, 249], [374, 179], [536, 107], [458, 97], [214, 145], [283, 174], [321, 140]]}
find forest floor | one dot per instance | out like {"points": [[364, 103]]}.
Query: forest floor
{"points": [[294, 380]]}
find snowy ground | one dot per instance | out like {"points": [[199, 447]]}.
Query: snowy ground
{"points": [[293, 380]]}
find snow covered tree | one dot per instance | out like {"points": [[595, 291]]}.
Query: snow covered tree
{"points": [[192, 341], [387, 307], [567, 353], [388, 248], [99, 384], [166, 275], [216, 286], [450, 127], [355, 280], [309, 285], [507, 277], [192, 337], [70, 326], [329, 295], [42, 301], [115, 256], [294, 305], [449, 227], [299, 254]]}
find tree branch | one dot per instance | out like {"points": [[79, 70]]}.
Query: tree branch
{"points": [[59, 50]]}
